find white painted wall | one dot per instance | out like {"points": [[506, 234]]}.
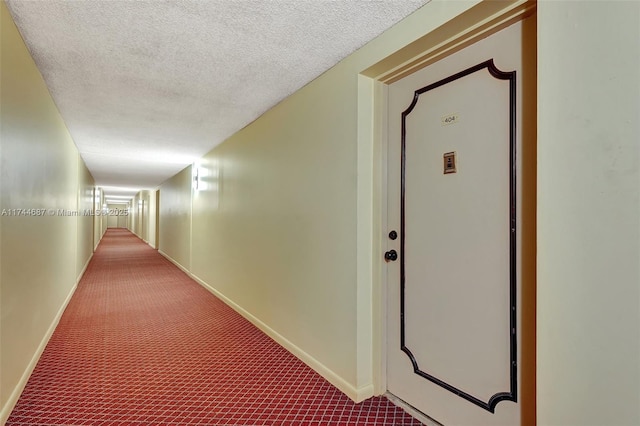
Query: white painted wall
{"points": [[588, 213]]}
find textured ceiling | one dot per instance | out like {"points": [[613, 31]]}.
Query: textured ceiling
{"points": [[147, 87]]}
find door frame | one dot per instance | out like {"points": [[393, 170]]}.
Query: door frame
{"points": [[478, 22], [157, 220]]}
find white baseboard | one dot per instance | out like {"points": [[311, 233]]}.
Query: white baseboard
{"points": [[363, 392], [17, 391], [84, 268], [356, 394], [170, 259], [99, 240]]}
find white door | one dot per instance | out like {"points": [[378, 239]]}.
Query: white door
{"points": [[453, 268]]}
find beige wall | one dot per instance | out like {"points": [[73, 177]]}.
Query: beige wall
{"points": [[275, 219], [117, 217], [152, 218], [104, 220], [274, 225], [41, 255], [175, 218], [112, 220], [99, 218], [588, 210], [85, 222], [277, 237], [131, 222], [134, 214], [143, 216], [277, 224]]}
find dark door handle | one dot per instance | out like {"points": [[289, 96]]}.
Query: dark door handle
{"points": [[391, 255]]}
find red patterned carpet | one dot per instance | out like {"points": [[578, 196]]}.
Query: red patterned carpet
{"points": [[142, 344]]}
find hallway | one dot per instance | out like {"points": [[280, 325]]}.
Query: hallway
{"points": [[141, 343], [282, 212]]}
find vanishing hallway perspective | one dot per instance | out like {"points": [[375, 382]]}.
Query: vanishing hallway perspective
{"points": [[142, 343]]}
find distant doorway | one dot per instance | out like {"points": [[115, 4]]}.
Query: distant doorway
{"points": [[157, 218]]}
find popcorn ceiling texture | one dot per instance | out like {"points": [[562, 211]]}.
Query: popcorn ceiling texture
{"points": [[146, 87]]}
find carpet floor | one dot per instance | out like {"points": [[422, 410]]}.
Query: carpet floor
{"points": [[141, 343]]}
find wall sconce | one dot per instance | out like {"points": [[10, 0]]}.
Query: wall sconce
{"points": [[196, 178]]}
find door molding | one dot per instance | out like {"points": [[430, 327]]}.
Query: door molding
{"points": [[511, 395], [482, 20]]}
